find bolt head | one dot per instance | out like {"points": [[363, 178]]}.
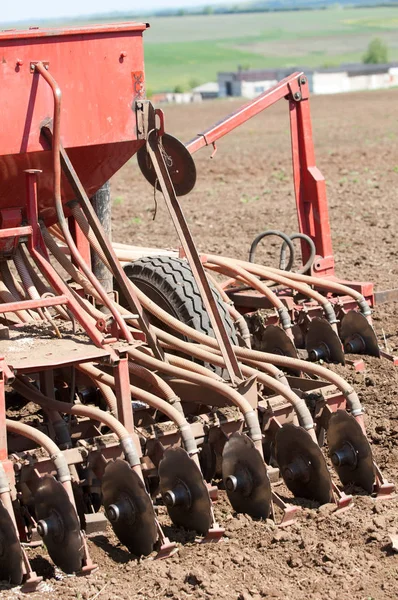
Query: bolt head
{"points": [[231, 483], [42, 527]]}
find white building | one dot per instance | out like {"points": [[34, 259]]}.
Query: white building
{"points": [[346, 78]]}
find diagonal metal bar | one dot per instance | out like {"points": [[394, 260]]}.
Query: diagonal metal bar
{"points": [[188, 244]]}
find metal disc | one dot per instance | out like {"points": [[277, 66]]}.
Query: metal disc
{"points": [[129, 508], [10, 550], [302, 464], [358, 335], [323, 343], [184, 491], [350, 451], [208, 461], [245, 477], [275, 341], [179, 163], [62, 535]]}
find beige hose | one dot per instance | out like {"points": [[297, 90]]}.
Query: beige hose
{"points": [[27, 390], [228, 267], [298, 404], [279, 277], [237, 399], [39, 284], [158, 383], [167, 409], [6, 296]]}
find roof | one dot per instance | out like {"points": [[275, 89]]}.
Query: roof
{"points": [[209, 87], [352, 70]]}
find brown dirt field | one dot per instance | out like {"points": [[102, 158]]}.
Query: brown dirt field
{"points": [[247, 188]]}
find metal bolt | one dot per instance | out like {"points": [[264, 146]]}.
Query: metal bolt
{"points": [[42, 527], [83, 452], [297, 96], [19, 62], [345, 456], [231, 483], [123, 55], [303, 80], [113, 513], [169, 498]]}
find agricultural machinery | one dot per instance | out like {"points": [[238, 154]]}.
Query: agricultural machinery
{"points": [[128, 375]]}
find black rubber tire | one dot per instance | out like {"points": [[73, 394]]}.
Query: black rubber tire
{"points": [[170, 283]]}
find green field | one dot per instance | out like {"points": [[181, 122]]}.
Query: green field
{"points": [[180, 51]]}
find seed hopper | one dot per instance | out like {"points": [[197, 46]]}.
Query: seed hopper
{"points": [[128, 379]]}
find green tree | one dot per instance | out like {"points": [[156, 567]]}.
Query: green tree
{"points": [[208, 10], [376, 53]]}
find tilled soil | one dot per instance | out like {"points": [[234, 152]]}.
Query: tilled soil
{"points": [[247, 188]]}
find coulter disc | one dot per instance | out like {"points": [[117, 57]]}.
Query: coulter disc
{"points": [[302, 464], [358, 335], [58, 525], [245, 477], [350, 451], [323, 343], [275, 341], [179, 163], [10, 550], [184, 491], [129, 508]]}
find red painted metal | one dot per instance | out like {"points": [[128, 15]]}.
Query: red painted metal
{"points": [[309, 184], [98, 125], [81, 241], [39, 253], [3, 431], [15, 231], [123, 394], [32, 304]]}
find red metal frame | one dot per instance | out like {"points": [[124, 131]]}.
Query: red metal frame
{"points": [[309, 184]]}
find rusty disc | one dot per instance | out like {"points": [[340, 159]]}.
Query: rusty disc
{"points": [[323, 343], [276, 341], [129, 508], [10, 550], [358, 335], [184, 491], [58, 524], [245, 477], [350, 451], [179, 163], [302, 464]]}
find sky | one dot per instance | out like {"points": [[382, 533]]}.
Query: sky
{"points": [[40, 9]]}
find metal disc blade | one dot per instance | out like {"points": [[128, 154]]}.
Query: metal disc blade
{"points": [[243, 463], [135, 524], [63, 539], [179, 163], [275, 341], [358, 335], [208, 461], [302, 464], [344, 434], [322, 342], [10, 550], [179, 473]]}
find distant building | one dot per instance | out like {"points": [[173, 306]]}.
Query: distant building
{"points": [[334, 80], [176, 97], [208, 90]]}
